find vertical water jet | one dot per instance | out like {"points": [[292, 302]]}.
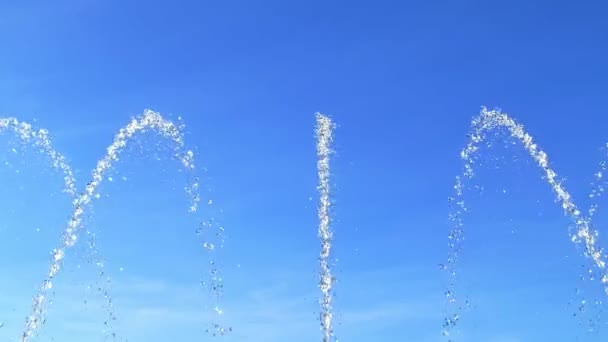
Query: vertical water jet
{"points": [[324, 133]]}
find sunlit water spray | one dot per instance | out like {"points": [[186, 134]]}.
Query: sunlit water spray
{"points": [[583, 234], [148, 121], [324, 139], [40, 139]]}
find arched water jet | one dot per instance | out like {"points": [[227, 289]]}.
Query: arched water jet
{"points": [[324, 133], [148, 120], [40, 138], [584, 234]]}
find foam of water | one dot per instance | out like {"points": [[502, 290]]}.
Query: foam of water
{"points": [[324, 133], [149, 120], [584, 235]]}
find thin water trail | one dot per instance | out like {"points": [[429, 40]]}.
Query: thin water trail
{"points": [[103, 286], [598, 187], [583, 234], [149, 120], [324, 132]]}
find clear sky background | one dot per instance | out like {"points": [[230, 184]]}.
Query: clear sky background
{"points": [[401, 79]]}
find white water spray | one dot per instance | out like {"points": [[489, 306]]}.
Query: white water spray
{"points": [[149, 120], [324, 133], [40, 138], [583, 235]]}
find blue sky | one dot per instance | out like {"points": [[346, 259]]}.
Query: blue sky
{"points": [[401, 79]]}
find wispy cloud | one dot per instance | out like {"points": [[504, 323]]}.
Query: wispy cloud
{"points": [[152, 309]]}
